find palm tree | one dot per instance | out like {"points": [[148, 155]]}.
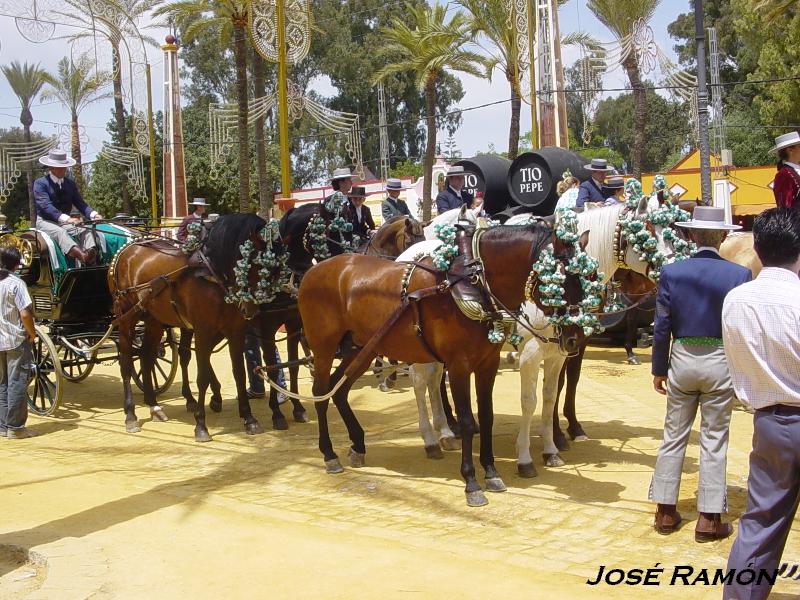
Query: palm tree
{"points": [[76, 87], [26, 82], [491, 19], [426, 48], [118, 19], [619, 16], [229, 17]]}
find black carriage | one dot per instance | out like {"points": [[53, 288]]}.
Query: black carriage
{"points": [[73, 314]]}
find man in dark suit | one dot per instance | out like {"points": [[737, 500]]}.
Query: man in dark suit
{"points": [[591, 190], [454, 195], [361, 217], [55, 196], [695, 371]]}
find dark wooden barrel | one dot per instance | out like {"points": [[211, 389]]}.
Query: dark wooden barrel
{"points": [[533, 177], [487, 174]]}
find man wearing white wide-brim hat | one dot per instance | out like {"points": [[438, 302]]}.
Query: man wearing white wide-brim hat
{"points": [[453, 195], [55, 197], [695, 371]]}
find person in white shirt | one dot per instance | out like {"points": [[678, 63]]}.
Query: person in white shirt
{"points": [[761, 332], [16, 334]]}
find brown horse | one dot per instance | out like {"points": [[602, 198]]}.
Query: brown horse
{"points": [[154, 281], [351, 301], [393, 237]]}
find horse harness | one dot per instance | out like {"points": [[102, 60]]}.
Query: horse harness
{"points": [[466, 282], [197, 262]]}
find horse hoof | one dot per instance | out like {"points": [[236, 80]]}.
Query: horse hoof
{"points": [[561, 443], [280, 423], [357, 459], [450, 443], [477, 498], [215, 404], [527, 471], [158, 415], [577, 434], [333, 466], [300, 416], [553, 460], [191, 407], [434, 452], [202, 436], [132, 427], [253, 428], [495, 484], [633, 361]]}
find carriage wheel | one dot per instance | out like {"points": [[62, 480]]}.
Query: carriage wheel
{"points": [[74, 366], [45, 383], [166, 365]]}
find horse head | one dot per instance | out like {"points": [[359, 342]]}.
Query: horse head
{"points": [[569, 317], [248, 254]]}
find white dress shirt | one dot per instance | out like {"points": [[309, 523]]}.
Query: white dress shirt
{"points": [[761, 333]]}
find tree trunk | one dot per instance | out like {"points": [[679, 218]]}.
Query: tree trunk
{"points": [[430, 145], [259, 91], [75, 139], [639, 112], [513, 131], [119, 117], [29, 176], [240, 56]]}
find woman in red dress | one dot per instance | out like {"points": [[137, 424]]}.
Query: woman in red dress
{"points": [[786, 185]]}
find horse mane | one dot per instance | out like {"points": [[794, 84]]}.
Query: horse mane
{"points": [[222, 243], [601, 224]]}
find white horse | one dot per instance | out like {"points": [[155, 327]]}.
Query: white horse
{"points": [[602, 223]]}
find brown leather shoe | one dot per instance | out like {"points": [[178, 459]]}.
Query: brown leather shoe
{"points": [[667, 519], [710, 528]]}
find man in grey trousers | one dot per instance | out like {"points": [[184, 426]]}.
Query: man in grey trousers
{"points": [[16, 334], [762, 340], [689, 313]]}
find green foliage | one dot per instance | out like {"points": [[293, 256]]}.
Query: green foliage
{"points": [[666, 131], [406, 168], [16, 207], [756, 40], [75, 84], [103, 191], [26, 81], [749, 143], [620, 15]]}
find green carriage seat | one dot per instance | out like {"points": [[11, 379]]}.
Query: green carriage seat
{"points": [[112, 239]]}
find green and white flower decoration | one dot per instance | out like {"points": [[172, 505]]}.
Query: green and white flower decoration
{"points": [[552, 273], [319, 232], [273, 274], [635, 232], [192, 242]]}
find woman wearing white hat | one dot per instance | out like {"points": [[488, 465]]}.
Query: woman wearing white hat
{"points": [[786, 185], [55, 197]]}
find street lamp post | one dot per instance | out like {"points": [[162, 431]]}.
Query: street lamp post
{"points": [[702, 104]]}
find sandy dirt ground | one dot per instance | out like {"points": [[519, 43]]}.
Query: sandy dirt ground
{"points": [[155, 515]]}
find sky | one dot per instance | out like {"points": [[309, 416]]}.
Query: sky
{"points": [[480, 128]]}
